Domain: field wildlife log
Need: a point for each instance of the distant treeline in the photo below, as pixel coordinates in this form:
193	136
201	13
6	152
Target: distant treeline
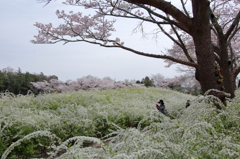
18	82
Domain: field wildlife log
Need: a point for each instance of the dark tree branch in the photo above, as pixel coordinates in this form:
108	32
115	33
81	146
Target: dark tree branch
117	45
168	8
184	8
234	24
215	23
182	45
151	12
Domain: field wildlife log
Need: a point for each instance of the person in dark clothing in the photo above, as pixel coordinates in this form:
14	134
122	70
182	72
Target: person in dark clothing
161	107
188	103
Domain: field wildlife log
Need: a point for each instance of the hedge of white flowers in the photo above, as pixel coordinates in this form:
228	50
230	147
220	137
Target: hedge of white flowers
121	123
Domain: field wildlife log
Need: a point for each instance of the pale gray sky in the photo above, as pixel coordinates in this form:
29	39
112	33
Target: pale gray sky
73	60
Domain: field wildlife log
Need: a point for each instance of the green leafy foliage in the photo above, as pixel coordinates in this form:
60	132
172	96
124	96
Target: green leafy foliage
147	82
19	83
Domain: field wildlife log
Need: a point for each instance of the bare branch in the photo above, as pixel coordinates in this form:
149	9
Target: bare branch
47	2
165	18
168	8
184	8
215	23
234	24
182	45
190	64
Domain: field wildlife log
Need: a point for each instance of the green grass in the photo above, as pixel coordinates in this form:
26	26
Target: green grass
124	122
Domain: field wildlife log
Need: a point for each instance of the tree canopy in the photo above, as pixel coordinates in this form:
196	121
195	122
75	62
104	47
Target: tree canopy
205	34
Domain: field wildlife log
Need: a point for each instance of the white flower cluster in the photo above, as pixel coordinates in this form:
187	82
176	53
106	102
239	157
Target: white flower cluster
199	131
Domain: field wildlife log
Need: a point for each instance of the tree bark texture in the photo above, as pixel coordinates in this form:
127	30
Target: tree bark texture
201	34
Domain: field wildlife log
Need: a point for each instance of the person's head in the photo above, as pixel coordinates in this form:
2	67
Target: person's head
188	101
161	101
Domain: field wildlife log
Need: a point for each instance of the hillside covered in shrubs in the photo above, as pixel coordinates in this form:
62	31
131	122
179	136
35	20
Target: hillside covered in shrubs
118	123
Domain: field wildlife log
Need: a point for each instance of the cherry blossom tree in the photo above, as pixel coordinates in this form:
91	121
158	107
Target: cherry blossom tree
185	83
205	34
84	83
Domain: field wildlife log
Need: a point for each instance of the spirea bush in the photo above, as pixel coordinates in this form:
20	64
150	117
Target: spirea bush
120	123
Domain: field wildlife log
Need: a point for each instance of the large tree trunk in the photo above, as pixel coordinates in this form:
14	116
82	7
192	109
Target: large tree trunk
201	33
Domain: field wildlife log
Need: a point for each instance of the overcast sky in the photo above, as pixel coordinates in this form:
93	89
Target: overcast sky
73	60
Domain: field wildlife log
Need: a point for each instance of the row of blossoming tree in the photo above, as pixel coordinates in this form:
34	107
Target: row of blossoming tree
84	83
20	83
91	82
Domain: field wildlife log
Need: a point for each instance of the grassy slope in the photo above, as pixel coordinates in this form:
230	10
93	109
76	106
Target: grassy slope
90	113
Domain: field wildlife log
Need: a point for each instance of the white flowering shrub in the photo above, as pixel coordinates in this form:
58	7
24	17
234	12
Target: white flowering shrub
119	123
